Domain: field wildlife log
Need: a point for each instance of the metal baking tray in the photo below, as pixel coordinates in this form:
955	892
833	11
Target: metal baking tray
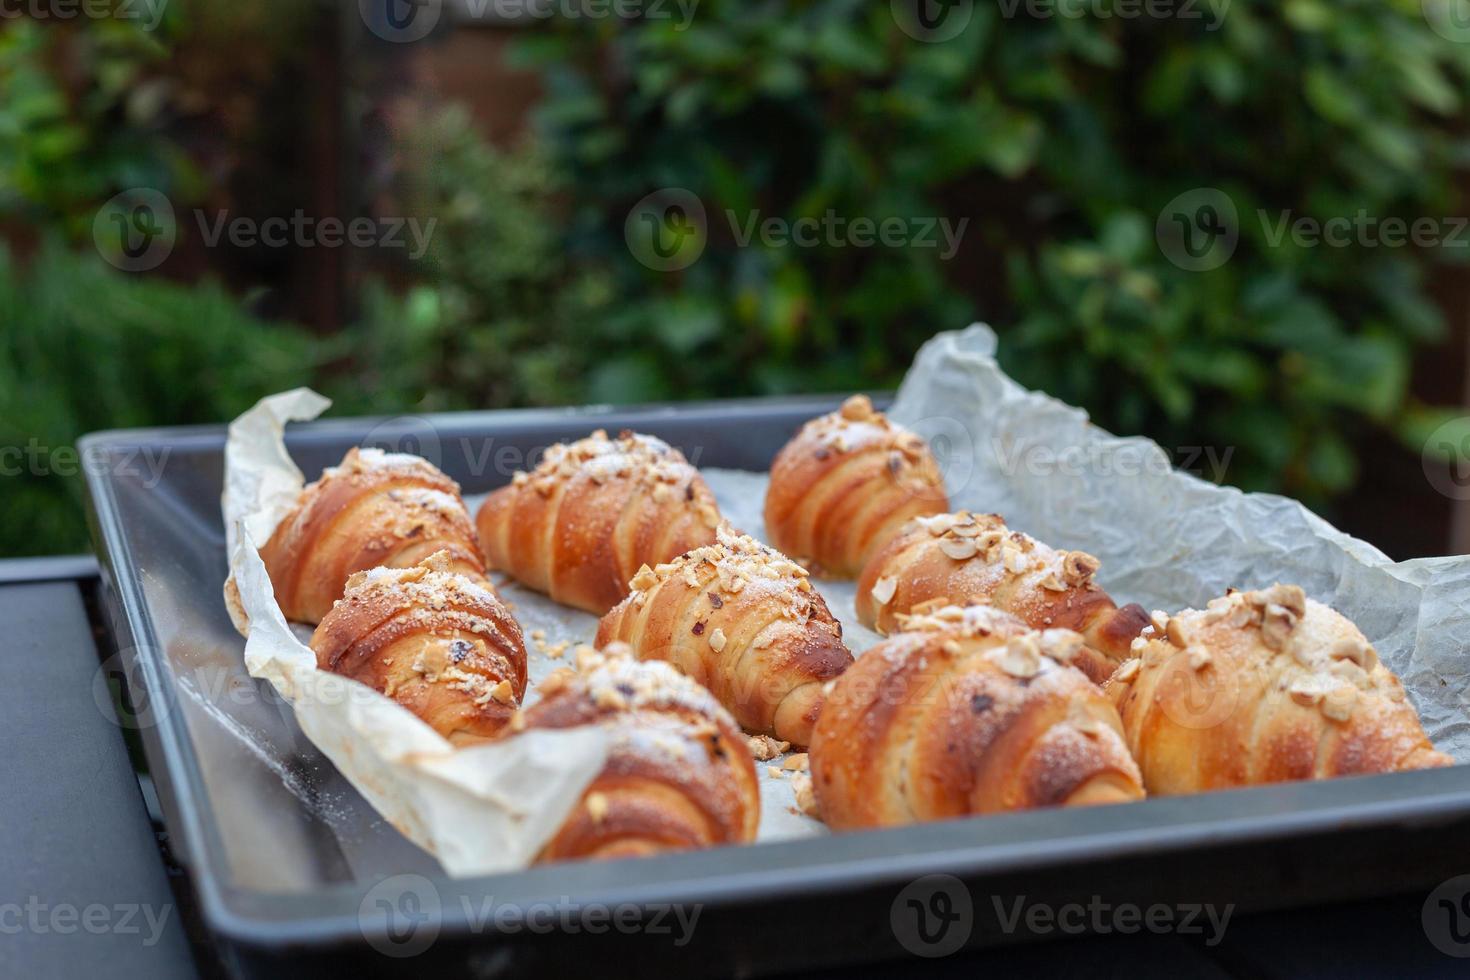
289	862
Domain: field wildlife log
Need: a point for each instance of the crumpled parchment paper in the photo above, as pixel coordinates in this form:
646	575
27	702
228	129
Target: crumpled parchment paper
1169	540
479	810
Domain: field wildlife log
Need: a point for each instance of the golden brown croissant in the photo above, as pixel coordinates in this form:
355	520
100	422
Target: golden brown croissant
374	509
745	622
579	527
966	711
844	484
679	774
965	558
436	641
1262	687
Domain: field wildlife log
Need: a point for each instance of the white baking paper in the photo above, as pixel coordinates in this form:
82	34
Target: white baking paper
1169	540
1166	539
479	810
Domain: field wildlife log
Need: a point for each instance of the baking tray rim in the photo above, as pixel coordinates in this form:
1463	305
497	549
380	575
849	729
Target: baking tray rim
792	868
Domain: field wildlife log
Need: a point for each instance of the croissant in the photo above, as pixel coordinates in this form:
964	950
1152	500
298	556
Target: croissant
745	622
679	775
966	711
844	484
1262	687
436	641
965	558
580	525
374	509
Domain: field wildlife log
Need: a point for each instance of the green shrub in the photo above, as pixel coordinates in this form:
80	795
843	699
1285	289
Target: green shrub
84	347
1062	139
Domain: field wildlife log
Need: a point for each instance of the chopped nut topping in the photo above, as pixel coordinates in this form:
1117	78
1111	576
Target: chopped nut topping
884	589
1356	651
717	640
806	799
858	408
1199	659
1339	702
959	549
1080	717
1128	670
796	762
597	807
1174	630
1053	584
765	748
929	606
644	580
1020	658
1078	568
503	693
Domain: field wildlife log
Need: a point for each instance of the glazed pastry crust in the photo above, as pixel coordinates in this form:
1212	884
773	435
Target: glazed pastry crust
679	775
966	711
374	509
846	483
745	622
1263	687
965	558
582	523
438	642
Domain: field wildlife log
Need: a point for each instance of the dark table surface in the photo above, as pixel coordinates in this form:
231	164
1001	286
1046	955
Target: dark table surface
87	887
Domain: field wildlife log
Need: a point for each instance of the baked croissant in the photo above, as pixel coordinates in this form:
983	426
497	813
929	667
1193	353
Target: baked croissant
580	525
745	622
436	641
1262	687
679	774
965	558
374	509
846	483
966	711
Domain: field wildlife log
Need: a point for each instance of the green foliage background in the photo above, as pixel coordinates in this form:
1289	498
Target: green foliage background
1060	138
